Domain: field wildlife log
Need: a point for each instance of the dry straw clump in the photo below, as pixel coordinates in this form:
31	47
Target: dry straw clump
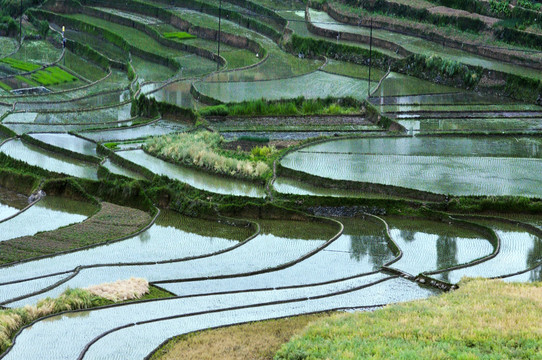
120	290
200	149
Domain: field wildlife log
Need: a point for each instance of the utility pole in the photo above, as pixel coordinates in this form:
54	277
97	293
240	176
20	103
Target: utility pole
21	24
219	21
370	59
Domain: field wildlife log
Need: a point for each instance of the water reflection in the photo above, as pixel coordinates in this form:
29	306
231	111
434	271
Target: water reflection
534	257
371	246
446	253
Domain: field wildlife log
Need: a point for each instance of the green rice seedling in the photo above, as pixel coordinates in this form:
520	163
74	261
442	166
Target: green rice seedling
180	35
53	76
19	64
27	80
4	86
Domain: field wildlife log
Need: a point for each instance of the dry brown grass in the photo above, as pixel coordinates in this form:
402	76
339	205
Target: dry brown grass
121	290
252	341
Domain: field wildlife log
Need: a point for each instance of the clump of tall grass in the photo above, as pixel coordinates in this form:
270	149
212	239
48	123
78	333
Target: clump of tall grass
120	290
298	106
201	149
12	320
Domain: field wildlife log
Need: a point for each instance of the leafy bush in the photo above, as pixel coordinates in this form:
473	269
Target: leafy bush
9	25
261	152
500	6
41	25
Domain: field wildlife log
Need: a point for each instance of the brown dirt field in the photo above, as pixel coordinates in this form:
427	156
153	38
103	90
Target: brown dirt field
252	341
293	121
110	223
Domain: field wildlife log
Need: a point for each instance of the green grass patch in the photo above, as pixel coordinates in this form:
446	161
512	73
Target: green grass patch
253	139
298	106
179	35
5	87
19	64
484	319
83	67
53	76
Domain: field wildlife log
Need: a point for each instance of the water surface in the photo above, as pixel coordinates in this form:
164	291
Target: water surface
196	178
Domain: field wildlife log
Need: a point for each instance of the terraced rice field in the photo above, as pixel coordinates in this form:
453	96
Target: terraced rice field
368	200
311	86
192	177
48	160
413	163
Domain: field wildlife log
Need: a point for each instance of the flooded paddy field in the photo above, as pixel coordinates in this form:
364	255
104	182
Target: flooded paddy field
520	250
48	160
311	86
196	178
154	128
47	214
429	245
68	142
279	243
425	167
11	203
172	237
177	93
91	324
422	46
97	117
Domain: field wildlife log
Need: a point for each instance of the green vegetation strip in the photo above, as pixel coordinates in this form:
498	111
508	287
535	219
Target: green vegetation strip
4	86
482	320
20	65
178	35
297	106
110	223
53	76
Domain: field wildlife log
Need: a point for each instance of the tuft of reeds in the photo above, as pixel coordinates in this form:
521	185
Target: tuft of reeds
201	149
121	290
